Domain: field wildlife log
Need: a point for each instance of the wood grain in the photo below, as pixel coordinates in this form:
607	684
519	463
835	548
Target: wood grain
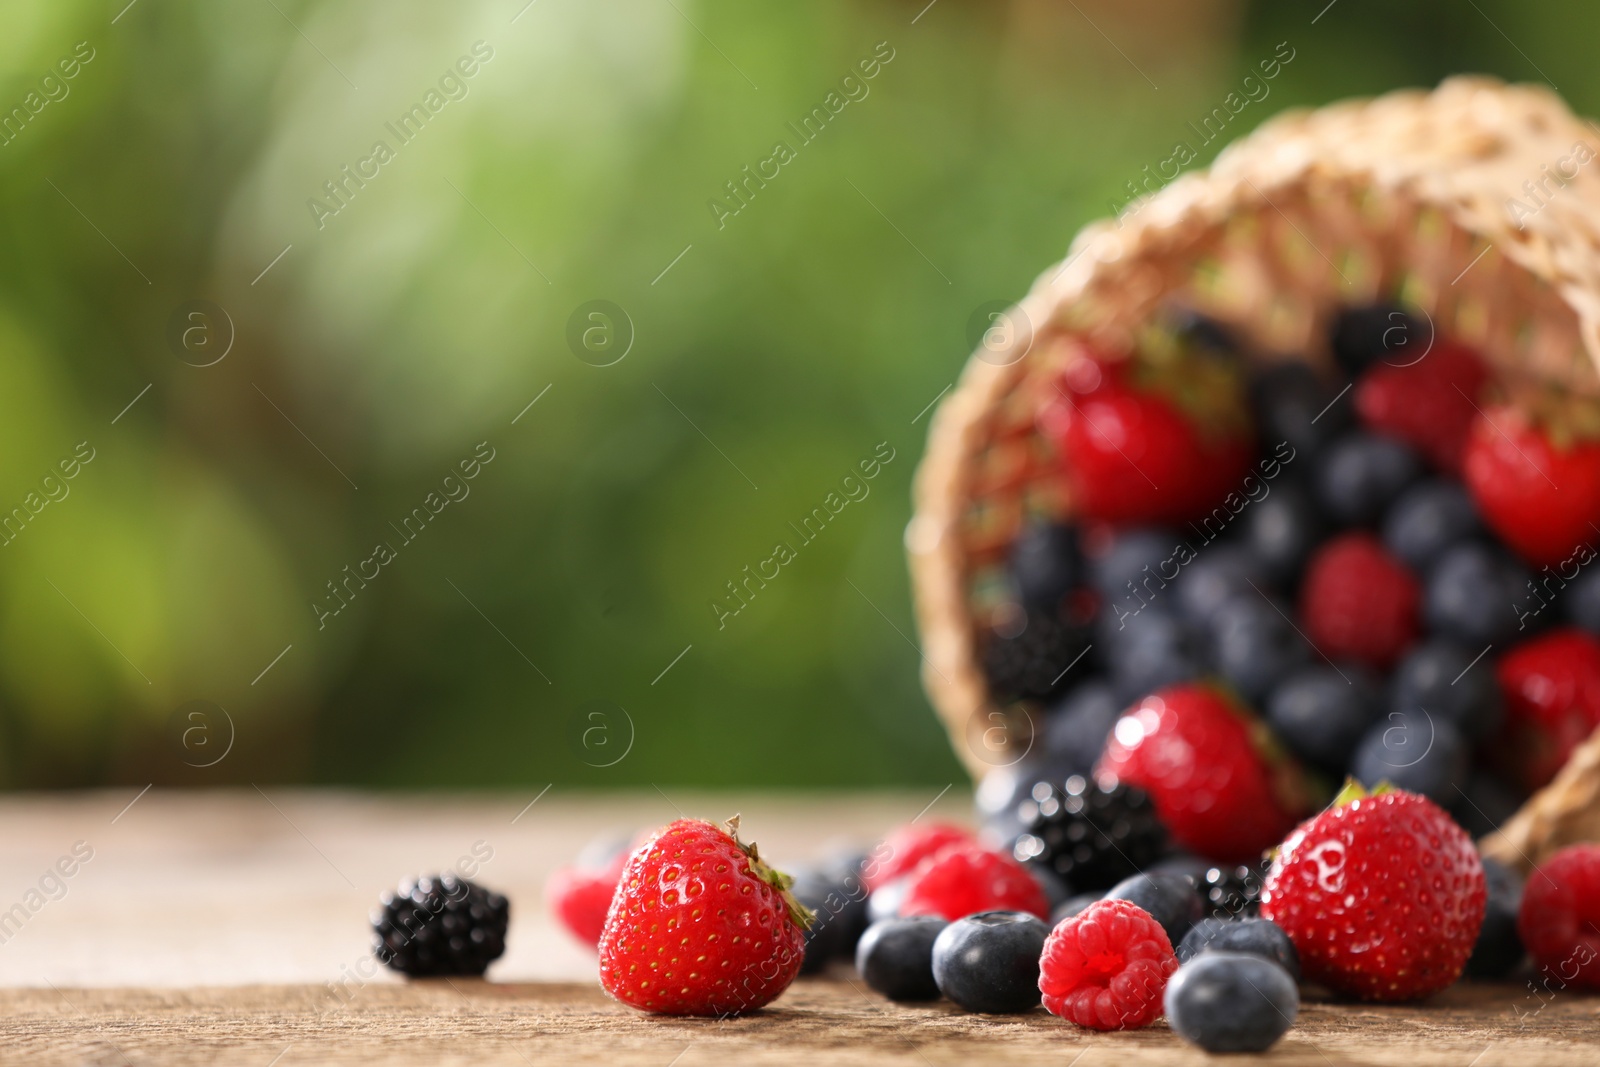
829	1021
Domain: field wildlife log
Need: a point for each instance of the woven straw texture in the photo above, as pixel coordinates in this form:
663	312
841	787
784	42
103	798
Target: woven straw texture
1477	203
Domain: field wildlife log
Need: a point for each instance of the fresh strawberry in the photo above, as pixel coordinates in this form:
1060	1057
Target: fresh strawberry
966	878
1218	779
1560	917
1536	480
1551	687
1382	895
1359	602
906	847
1145	440
1429	404
700	925
581	896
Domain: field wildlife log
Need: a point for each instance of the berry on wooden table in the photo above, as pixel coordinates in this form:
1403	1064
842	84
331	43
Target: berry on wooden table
989	962
580	897
907	846
1382	895
1560	916
1166	896
441	926
967	878
1091	835
1106	968
895	957
700	925
1231	1002
1259	937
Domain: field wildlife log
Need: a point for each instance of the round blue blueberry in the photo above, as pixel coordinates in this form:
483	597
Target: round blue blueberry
1581	599
1322	712
1255	646
1294	403
1473	594
1046	564
1170	899
1231	1002
1429	518
989	962
1071	906
895	957
1259	937
1075	730
1414	751
1362	474
1136	557
1219	574
1369	333
1442	677
1282	530
1498	950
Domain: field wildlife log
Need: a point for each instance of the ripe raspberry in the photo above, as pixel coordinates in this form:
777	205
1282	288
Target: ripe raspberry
1428	404
967	878
1106	968
700	925
1560	916
580	897
1551	686
1359	602
900	853
1218	781
1381	894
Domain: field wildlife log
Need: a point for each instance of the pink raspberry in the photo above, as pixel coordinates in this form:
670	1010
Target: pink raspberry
1560	917
965	879
1106	968
905	848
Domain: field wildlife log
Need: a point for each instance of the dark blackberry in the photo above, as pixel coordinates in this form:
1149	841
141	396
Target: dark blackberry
1092	837
1031	664
1231	892
441	925
1361	336
1046	564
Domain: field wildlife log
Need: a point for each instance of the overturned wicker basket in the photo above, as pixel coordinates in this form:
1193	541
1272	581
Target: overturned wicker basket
1415	194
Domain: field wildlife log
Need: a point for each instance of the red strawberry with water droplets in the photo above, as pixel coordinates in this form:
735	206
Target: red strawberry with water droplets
1536	479
1382	895
1551	687
1219	782
1430	404
1149	440
700	925
1359	602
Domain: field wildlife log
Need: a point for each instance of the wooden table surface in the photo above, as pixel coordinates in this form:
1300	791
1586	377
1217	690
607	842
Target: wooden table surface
231	928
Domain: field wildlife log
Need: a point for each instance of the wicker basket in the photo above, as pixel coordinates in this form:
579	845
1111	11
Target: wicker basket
1416	194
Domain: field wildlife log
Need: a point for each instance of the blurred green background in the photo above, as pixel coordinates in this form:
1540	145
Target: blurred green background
529	632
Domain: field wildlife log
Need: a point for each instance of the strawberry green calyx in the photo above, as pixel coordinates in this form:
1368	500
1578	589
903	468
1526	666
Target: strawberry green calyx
1354	791
799	914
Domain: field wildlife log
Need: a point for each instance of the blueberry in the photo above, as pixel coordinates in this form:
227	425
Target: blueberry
1361	336
1413	751
895	957
1219	574
989	962
1582	599
1046	564
1294	403
1259	937
1484	804
1442	677
1185	863
1071	906
1231	1002
1281	530
1136	556
841	912
1472	595
1075	730
1498	949
1428	518
1322	712
1255	646
1147	651
1169	898
1362	474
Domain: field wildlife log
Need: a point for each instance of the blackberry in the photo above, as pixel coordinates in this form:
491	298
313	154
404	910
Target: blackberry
1031	664
1361	336
1046	564
441	925
1231	892
1091	836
